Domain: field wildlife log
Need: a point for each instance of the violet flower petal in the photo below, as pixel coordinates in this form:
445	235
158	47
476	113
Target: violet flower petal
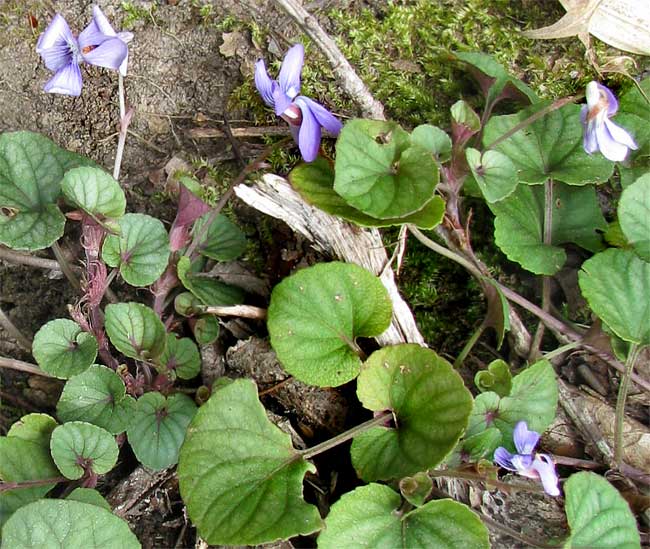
503	458
98	31
290	70
264	84
57	46
92	36
110	54
66	80
309	134
608	146
620	135
612	102
545	468
525	440
281	100
522	464
102	22
325	118
589	142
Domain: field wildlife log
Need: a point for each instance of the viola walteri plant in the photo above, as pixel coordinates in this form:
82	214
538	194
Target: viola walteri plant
129	364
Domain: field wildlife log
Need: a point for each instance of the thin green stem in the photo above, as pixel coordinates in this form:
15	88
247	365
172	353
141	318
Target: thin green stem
120	94
5	486
66	268
468	475
532	118
632	356
551	322
446	252
562	349
470	344
125	120
252	166
546	282
347	435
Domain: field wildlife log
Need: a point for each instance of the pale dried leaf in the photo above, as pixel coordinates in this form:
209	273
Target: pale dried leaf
234	44
624	24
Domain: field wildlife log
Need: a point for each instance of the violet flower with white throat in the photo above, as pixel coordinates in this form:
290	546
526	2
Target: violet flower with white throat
527	464
62	52
100	34
304	116
600	133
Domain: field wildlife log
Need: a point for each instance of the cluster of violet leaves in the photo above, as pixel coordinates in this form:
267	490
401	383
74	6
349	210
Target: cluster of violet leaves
305	118
98	44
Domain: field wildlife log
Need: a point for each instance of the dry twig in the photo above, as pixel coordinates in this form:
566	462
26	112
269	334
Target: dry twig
350	82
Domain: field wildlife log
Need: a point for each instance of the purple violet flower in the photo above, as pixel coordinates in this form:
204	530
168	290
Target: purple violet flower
600	133
304	116
63	53
100	33
539	467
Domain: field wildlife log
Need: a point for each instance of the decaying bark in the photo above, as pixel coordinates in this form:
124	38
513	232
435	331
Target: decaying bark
274	196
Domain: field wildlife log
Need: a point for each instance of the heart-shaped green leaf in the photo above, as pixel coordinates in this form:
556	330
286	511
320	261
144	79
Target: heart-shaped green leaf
239	475
94	191
22	460
495	82
31	169
182	356
63	349
88	495
431	407
208	290
186	304
77	444
434	140
141	251
465	117
35	428
369	516
97	396
222	241
69	524
616	284
550	147
205	329
494	173
519	225
496	378
474	448
634	216
598	515
416	489
158	428
533	398
380	173
315	316
314	181
135	330
31	230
